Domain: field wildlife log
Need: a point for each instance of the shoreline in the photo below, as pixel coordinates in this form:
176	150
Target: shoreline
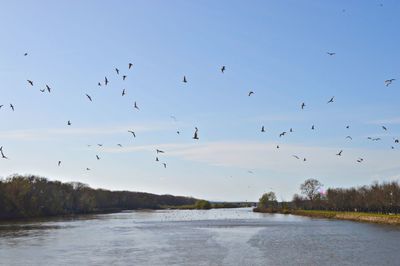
338	215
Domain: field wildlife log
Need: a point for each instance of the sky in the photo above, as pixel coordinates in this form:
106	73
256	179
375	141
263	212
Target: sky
277	49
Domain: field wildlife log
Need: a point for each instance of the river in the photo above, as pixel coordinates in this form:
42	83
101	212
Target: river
196	237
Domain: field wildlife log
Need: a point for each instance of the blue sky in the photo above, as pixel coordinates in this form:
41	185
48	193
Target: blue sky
275	48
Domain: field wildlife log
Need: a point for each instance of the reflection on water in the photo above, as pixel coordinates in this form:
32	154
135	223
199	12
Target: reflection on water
195	237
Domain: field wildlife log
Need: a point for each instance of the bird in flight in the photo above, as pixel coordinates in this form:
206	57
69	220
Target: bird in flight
97	157
349	137
133	133
105	81
330	53
159	151
339	153
30	82
195	136
388	82
100	145
12	107
157	159
119	145
165	165
396	141
88	96
2	154
130	65
43	90
123	92
250	93
124	77
331	100
59	163
282	134
184	79
223	69
360	160
87	169
135	106
262	129
1	106
277	146
178	132
117	70
69	123
347	127
291	130
25	54
384	128
313	127
303	105
297	157
99	84
48	88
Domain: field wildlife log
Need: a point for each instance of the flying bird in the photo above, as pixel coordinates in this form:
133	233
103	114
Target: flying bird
99	84
376	139
360	160
250	93
12	107
124	77
100	145
43	90
97	157
396	141
30	82
48	88
313	127
388	82
105	81
157	159
69	123
117	70
349	137
277	146
133	133
119	145
331	100
303	105
347	127
130	65
262	129
282	134
184	79
2	154
195	136
297	157
159	151
59	163
223	69
165	165
90	98
87	169
25	54
135	106
339	153
330	53
1	106
291	130
384	128
123	92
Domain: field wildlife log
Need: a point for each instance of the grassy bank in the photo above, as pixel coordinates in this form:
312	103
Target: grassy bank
351	216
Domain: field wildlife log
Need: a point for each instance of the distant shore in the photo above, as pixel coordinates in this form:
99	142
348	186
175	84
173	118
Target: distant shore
392	219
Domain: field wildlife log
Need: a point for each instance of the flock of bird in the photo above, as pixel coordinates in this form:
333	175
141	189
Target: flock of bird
303	105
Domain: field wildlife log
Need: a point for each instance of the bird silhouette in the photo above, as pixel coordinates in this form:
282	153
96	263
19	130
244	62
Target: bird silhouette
43	90
297	157
124	77
349	137
100	145
119	145
2	154
133	133
282	134
30	82
59	163
88	96
177	132
330	53
223	69
48	88
396	141
339	153
277	146
130	65
389	81
87	169
1	106
184	79
117	70
97	157
99	84
250	93
105	81
159	151
313	127
331	100
347	127
291	130
303	105
195	136
123	92
157	159
135	106
262	129
12	107
165	165
69	123
25	54
384	128
360	160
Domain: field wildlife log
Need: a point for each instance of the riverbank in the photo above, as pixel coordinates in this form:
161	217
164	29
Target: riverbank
350	216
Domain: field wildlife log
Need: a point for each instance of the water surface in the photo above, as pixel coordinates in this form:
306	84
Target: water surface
195	237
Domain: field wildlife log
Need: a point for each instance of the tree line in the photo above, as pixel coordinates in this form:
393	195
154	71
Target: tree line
32	196
375	198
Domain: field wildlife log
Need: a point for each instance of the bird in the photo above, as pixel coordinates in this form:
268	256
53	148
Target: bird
69	123
100	145
195	136
339	153
99	84
304	159
303	105
48	88
388	82
384	128
12	107
157	159
105	81
291	130
135	106
184	79
30	82
282	134
177	132
376	139
119	145
124	77
250	93
360	160
25	54
313	127
396	141
347	127
159	151
123	92
297	157
330	53
392	147
277	146
349	137
97	157
223	69
165	165
59	163
87	169
43	90
331	100
2	154
133	133
117	70
130	65
262	129
90	98
250	172
1	106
